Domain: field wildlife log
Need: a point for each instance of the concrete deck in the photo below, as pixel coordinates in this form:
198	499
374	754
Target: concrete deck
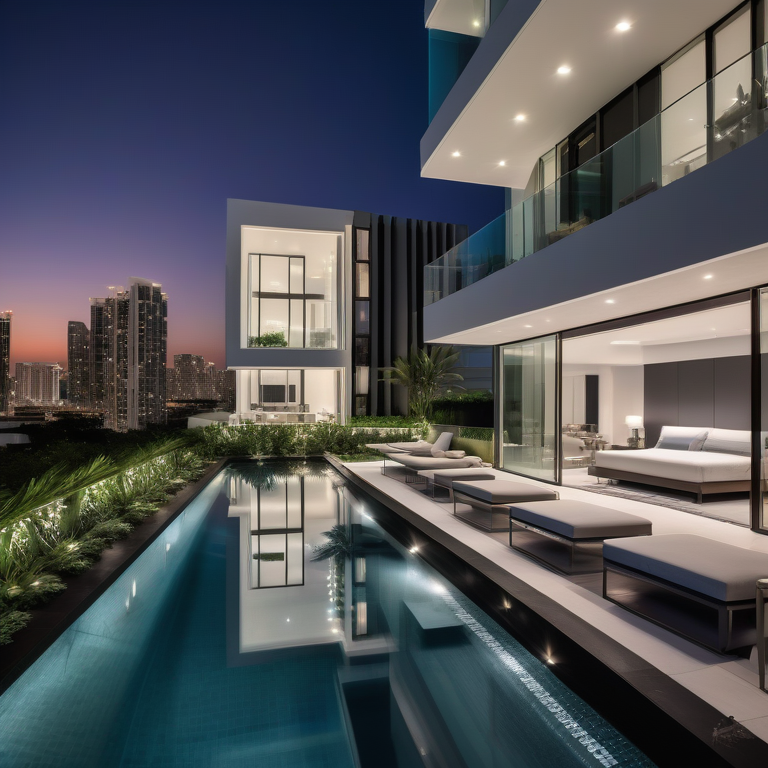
727	683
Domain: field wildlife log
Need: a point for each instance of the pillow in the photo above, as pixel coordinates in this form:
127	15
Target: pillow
733	441
454	454
682	442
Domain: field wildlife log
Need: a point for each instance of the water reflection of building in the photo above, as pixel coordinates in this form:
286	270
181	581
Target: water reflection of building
283	593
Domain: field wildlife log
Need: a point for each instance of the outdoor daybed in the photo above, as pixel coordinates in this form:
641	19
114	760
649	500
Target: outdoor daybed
699	460
698	587
568	535
483	502
415	447
410	465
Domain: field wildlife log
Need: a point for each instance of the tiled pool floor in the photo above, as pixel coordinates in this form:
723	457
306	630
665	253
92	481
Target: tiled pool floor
727	683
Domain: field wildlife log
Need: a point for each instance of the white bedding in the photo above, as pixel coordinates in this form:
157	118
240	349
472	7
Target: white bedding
690	466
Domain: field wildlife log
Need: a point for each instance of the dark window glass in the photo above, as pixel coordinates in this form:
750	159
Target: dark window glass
361	406
584	142
617	119
362	322
648	97
362	350
362	245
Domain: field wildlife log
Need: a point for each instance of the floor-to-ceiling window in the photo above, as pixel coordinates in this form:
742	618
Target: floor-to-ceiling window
529	408
762	518
291	288
659	410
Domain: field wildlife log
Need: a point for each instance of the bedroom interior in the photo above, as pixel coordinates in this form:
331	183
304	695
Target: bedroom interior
661	411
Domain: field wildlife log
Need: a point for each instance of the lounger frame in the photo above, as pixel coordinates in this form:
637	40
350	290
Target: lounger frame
720	626
566	555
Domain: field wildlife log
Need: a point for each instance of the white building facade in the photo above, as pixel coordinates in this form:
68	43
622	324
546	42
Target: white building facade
627	297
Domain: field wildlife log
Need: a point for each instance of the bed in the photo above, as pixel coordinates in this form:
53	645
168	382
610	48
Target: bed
698	460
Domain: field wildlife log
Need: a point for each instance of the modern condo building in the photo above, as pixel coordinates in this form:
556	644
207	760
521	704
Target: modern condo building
628	305
318	302
37	383
127	356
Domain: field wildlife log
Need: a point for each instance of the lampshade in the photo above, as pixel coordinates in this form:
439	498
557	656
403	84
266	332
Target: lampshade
634	422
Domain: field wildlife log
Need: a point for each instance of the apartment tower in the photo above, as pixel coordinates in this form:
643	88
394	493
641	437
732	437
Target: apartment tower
5	359
78	350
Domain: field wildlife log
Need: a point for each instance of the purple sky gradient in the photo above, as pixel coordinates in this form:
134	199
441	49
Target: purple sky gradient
127	125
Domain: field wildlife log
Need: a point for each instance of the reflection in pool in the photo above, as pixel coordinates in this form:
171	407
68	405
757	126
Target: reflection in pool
228	644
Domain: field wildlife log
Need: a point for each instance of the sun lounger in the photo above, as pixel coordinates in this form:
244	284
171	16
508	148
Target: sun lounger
484	502
443	479
568	535
697	587
415	447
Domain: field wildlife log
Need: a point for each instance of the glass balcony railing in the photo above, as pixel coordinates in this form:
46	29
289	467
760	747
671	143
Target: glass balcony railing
719	116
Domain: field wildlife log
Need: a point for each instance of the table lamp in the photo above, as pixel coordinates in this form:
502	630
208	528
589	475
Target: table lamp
635	423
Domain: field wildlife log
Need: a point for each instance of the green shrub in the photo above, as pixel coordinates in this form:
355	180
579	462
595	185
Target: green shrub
275	339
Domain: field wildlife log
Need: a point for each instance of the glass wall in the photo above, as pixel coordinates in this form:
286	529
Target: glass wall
291	396
762	518
362	325
529	408
291	288
294	297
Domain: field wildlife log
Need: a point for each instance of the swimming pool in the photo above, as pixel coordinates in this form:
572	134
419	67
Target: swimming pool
227	644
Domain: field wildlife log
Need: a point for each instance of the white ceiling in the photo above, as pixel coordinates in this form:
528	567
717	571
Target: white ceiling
524	81
639	344
729	273
466	17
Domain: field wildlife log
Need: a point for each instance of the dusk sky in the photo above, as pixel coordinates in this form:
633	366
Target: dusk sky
126	126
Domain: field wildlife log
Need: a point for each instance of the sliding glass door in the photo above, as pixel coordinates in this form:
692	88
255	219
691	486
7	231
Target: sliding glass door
529	408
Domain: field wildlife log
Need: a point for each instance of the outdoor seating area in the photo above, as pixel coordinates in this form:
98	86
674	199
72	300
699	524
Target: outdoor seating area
695	586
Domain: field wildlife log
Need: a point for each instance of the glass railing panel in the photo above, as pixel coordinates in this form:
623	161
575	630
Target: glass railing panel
737	101
666	148
684	136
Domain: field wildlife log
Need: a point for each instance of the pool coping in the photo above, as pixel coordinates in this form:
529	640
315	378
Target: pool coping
610	677
50	620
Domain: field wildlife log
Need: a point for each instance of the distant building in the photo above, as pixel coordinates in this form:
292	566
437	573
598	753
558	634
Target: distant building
192	379
5	360
78	350
37	383
127	355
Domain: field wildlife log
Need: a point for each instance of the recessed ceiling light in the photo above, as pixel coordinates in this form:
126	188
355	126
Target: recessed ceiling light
475	23
623	26
527	326
708	277
456	154
502	162
610	301
627	343
564	70
519	118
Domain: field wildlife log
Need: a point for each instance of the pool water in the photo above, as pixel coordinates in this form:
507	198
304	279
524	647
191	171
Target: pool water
226	644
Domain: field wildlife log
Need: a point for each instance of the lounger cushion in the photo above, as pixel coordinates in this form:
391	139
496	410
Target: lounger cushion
455	454
503	491
430	462
579	519
718	570
384	448
446	477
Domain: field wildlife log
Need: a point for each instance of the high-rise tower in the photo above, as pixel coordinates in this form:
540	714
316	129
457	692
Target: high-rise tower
128	353
78	345
5	359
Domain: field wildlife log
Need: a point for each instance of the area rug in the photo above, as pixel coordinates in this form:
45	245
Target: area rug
660	500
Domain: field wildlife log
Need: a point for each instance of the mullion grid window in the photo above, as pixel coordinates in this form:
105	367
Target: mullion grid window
292	296
361	330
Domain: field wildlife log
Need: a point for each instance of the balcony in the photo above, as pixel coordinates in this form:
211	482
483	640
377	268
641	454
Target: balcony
708	123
